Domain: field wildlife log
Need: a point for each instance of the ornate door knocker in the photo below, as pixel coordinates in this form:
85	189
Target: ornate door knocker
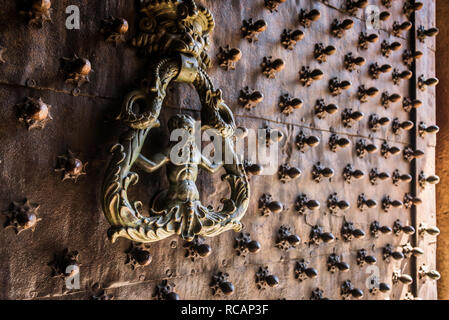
174	34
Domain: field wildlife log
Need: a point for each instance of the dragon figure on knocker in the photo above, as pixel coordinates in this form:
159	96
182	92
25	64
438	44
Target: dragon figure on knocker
174	35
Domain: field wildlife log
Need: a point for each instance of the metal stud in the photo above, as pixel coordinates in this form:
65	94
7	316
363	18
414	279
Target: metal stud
423	129
397	178
410	201
289	38
244	245
349	116
227	57
365	40
375	70
352	6
387	99
286	240
425	33
250	98
306	18
76	70
164	291
197	249
272	5
363	93
321	53
272	136
425	272
388	203
424	228
347	290
398	76
334	204
21	216
349	232
398	28
410	6
388	253
303	273
387	48
363	203
336	86
307	76
252	169
349	173
37	12
424	83
320	172
338	28
408	104
386	150
221	285
375	175
267	206
250	30
288	104
318	236
384	16
114	29
335	142
398	126
271	67
376	122
265	279
70	167
376	229
138	256
408	250
34	113
408	57
398	276
66	264
287	173
382	287
410	154
387	3
318	294
424	181
351	63
363	257
362	148
302	141
322	110
335	263
399	228
303	203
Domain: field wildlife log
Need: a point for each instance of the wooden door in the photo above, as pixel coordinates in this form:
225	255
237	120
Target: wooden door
83	121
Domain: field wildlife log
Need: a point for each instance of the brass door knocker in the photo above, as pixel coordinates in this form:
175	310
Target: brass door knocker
174	34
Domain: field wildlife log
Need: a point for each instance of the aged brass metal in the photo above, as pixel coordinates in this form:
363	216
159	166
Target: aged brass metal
307	17
321	53
175	35
376	229
349	117
386	150
287	173
388	253
424	129
336	87
334	204
249	98
322	110
398	76
335	142
423	33
363	203
399	228
362	148
228	57
349	174
351	63
302	141
76	70
272	5
335	263
363	257
303	203
288	104
307	76
338	28
320	172
267	206
375	70
375	176
221	285
425	272
387	99
347	290
318	236
398	28
352	6
387	48
388	203
409	104
349	232
424	83
271	67
365	40
363	93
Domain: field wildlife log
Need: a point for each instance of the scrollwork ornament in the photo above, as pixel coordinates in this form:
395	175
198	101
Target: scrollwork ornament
174	35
